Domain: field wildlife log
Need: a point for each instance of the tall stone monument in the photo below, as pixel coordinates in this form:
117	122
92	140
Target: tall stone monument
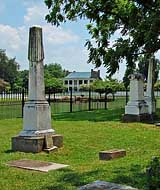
37	114
150	98
136	109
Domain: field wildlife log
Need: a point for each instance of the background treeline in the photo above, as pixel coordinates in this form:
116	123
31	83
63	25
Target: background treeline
11	77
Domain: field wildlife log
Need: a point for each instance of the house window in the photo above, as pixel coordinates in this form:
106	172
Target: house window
75	89
66	82
75	82
91	81
70	82
80	81
85	81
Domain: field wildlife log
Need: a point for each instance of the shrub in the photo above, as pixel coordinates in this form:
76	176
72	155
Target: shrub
153	174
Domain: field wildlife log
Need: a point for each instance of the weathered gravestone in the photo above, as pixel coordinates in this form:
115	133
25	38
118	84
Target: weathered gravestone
103	185
37	114
137	108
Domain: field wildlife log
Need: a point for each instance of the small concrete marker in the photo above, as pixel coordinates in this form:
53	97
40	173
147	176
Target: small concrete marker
53	149
111	154
48	141
36	165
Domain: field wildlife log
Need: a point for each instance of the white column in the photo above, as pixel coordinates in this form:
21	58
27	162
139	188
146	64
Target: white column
150	98
37	114
77	85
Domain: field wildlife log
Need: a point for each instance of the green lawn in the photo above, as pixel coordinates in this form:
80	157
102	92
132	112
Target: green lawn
85	134
13	109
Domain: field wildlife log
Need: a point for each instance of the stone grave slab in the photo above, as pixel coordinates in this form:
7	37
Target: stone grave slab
111	154
36	165
103	185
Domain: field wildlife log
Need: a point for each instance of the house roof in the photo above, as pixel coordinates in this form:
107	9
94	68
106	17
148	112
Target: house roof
75	75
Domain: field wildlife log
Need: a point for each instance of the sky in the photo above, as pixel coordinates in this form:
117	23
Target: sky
63	45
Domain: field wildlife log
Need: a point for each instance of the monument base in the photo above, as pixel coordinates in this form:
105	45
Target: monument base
34	144
148	118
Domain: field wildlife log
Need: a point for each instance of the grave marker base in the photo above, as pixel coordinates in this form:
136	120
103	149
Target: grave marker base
148	118
34	144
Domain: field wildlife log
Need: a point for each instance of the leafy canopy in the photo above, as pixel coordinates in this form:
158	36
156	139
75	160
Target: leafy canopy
55	70
107	86
53	74
8	68
137	22
143	66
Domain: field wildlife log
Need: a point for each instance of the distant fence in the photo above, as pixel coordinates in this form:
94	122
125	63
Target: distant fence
12	102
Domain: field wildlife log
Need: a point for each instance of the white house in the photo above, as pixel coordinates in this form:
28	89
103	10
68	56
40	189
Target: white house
75	79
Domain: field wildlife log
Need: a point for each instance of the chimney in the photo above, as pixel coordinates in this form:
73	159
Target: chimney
98	73
95	74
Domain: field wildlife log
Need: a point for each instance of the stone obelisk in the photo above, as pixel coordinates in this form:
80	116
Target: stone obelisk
37	114
150	98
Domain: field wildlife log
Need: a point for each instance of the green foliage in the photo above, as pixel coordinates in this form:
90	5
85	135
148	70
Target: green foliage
54	84
126	81
8	68
107	86
22	80
157	86
3	85
153	174
143	66
84	87
136	21
53	74
54	70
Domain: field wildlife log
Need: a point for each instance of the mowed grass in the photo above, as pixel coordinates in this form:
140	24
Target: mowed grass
85	134
13	109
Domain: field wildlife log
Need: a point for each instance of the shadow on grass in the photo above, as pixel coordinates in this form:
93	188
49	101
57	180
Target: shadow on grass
134	177
96	115
72	179
9	151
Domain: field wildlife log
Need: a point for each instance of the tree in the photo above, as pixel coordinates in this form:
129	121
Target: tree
136	21
54	84
143	66
3	85
55	70
22	80
143	63
53	74
8	68
107	86
126	81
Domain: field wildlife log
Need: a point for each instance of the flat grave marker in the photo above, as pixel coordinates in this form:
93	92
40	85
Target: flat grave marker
111	154
103	185
36	165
